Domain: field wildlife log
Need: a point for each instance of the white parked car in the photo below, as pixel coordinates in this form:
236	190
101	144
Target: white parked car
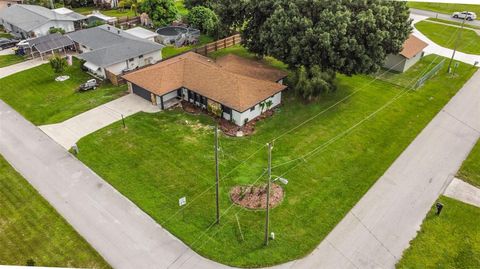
469	16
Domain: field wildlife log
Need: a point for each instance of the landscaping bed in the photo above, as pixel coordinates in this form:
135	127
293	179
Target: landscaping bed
32	232
159	158
255	197
36	95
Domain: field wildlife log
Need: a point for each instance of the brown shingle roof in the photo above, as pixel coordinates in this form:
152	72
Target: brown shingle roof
412	46
202	75
250	68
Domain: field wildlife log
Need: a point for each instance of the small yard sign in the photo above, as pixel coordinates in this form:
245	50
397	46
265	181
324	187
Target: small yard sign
182	201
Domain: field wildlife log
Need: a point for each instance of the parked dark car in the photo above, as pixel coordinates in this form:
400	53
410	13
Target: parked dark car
6	43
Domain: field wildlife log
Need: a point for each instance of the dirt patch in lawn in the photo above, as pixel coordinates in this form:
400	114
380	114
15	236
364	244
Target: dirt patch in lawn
255	197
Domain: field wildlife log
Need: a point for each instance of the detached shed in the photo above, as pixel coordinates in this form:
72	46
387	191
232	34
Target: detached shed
412	52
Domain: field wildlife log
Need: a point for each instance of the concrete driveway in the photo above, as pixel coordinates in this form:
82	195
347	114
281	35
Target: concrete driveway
70	131
15	68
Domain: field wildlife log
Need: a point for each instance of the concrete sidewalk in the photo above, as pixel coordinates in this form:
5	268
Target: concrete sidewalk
15	68
378	229
70	131
122	233
434	48
464	192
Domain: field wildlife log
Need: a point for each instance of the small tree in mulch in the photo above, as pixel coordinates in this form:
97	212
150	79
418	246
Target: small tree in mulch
58	64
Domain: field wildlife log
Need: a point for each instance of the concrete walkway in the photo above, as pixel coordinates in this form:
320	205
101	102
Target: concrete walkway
15	68
70	131
122	233
378	229
434	48
477	31
462	191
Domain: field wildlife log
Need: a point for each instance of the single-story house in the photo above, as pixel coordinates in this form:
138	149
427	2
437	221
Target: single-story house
26	21
143	33
96	16
234	88
109	52
412	52
48	45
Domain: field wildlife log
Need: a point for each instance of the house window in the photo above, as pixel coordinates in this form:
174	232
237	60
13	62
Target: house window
252	108
226	109
130	60
140	57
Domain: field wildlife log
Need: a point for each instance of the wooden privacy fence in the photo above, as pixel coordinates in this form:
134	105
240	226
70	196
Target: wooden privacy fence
219	44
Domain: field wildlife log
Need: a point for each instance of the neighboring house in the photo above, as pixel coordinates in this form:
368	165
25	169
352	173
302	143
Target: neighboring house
143	33
7	3
109	52
233	88
26	21
47	45
96	16
412	52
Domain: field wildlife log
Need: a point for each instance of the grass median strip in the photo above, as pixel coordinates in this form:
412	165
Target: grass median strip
6	60
470	170
33	232
161	157
469	41
450	240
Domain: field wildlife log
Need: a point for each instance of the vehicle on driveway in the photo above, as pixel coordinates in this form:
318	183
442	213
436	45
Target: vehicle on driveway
469	16
89	85
6	43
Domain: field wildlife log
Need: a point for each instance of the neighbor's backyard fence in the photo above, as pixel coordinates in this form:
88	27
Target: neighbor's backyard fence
219	44
428	75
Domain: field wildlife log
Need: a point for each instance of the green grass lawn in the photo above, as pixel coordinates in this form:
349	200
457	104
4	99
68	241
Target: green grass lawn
36	95
170	51
466	25
5	35
161	157
470	171
32	229
240	51
111	12
451	240
408	78
447	8
470	41
6	60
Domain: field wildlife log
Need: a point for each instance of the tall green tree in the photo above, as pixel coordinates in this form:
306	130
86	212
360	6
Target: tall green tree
161	12
345	36
58	64
195	3
204	19
232	15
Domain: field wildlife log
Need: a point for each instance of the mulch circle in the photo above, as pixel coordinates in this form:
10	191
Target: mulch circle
255	197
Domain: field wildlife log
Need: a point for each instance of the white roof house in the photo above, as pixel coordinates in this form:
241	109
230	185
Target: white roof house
109	51
143	33
32	21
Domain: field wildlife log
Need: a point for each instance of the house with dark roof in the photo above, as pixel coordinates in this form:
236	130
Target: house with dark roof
411	53
109	52
234	88
25	21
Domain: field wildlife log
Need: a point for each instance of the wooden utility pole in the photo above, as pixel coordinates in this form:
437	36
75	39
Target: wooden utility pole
217	174
268	193
456	44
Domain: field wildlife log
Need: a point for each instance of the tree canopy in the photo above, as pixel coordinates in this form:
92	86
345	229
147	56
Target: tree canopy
204	19
161	12
346	36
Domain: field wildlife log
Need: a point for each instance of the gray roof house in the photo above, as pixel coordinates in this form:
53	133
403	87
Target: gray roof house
26	21
109	52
